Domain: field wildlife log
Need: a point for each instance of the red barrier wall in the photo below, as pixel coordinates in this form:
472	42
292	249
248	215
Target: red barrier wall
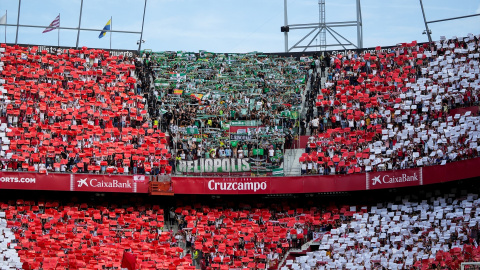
34	181
451	171
331	183
246	185
72	182
106	183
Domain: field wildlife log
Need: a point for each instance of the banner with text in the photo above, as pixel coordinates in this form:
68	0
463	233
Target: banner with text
34	181
394	179
240	137
244	123
108	183
244	185
267	185
328	183
63	49
74	182
214	165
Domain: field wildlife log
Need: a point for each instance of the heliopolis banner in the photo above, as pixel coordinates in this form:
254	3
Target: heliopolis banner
206	165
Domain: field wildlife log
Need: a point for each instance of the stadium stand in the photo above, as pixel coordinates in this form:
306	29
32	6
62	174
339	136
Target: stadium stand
76	112
84	235
390	110
416	228
438	233
77	236
85	111
201	97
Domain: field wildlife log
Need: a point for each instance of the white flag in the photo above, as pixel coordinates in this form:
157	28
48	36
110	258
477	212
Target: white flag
3	19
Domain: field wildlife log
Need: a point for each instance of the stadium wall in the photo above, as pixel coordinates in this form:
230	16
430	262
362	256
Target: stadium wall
245	185
134	53
54	49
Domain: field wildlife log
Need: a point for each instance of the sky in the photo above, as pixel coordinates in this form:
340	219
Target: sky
231	26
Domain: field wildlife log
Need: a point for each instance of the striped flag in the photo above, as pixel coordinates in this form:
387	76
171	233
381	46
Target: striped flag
177	91
54	25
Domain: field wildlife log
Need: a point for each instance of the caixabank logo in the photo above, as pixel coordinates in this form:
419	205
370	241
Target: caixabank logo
392	179
98	183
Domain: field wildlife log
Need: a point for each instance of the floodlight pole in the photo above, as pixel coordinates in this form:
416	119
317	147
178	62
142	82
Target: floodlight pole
359	26
322	31
79	23
141	33
322	27
426	24
18	20
111	27
58	31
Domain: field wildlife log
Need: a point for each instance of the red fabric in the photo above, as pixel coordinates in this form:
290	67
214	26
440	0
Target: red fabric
129	261
25	266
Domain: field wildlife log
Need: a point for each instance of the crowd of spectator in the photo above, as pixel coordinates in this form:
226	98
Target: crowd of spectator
88	111
76	111
53	235
438	233
79	235
392	109
414	230
200	97
253	238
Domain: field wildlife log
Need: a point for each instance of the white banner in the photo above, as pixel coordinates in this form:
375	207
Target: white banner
214	165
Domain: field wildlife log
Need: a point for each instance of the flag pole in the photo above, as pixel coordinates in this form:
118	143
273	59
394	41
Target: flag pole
6	20
111	28
58	28
79	23
18	20
141	33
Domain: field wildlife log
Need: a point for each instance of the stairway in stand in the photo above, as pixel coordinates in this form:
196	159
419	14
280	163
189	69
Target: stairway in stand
291	165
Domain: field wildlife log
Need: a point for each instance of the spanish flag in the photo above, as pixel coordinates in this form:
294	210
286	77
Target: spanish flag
177	91
105	29
197	96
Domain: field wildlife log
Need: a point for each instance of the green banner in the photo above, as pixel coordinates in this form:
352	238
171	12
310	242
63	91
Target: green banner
278	172
192	131
243	123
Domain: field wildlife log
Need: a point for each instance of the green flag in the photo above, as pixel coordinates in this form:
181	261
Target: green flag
258	152
192	131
